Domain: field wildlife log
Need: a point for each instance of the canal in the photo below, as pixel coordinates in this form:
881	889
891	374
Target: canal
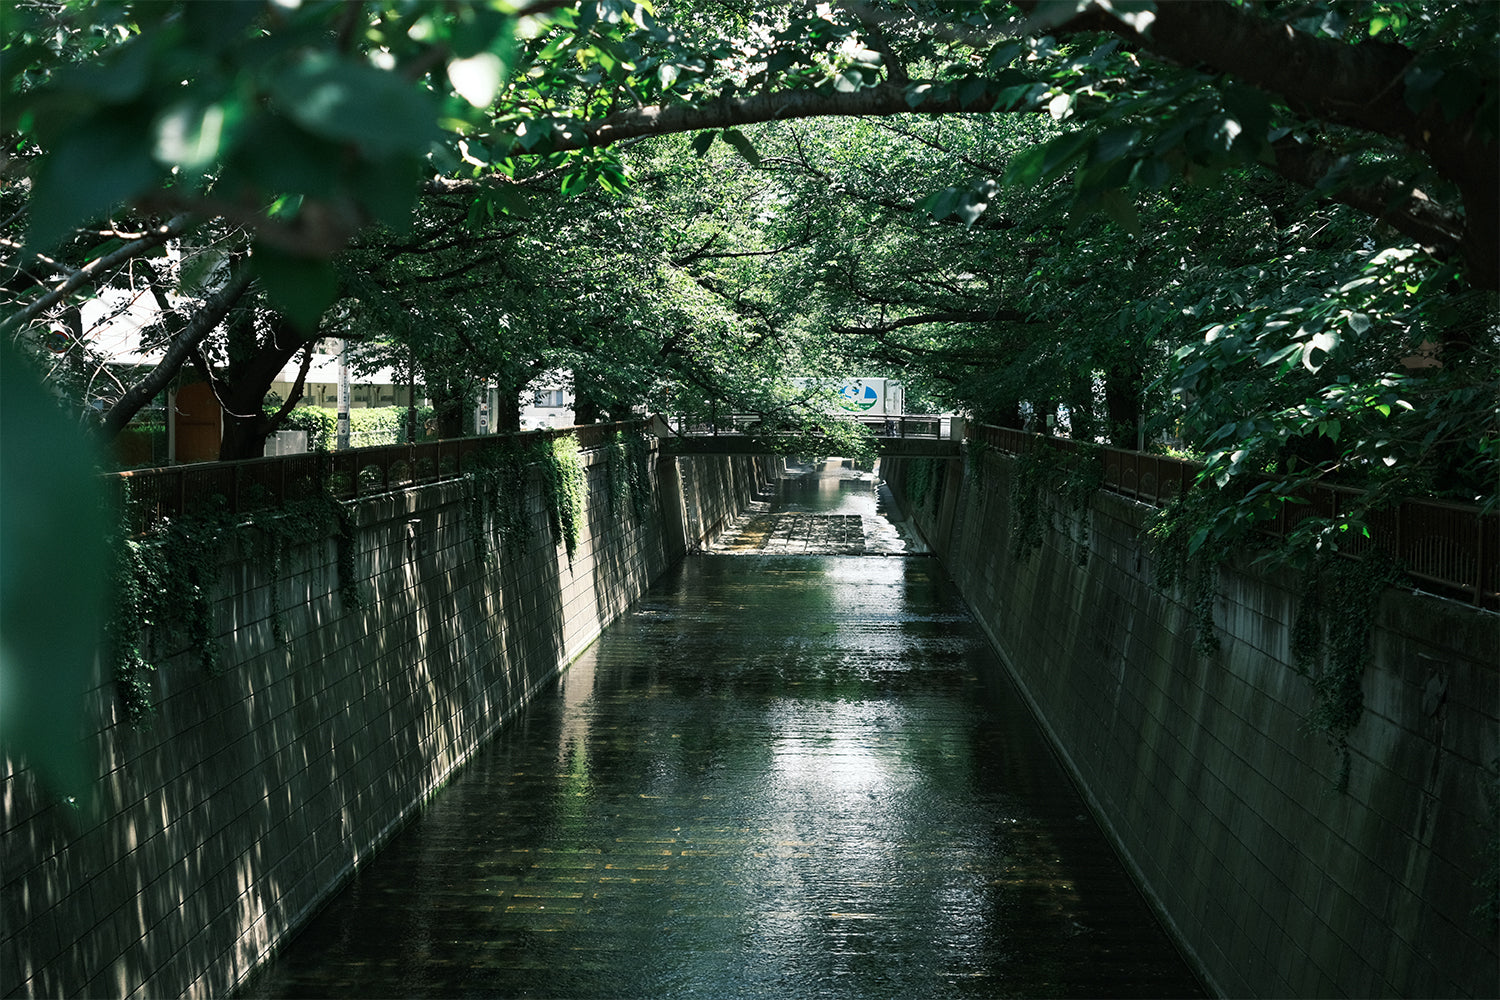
783	774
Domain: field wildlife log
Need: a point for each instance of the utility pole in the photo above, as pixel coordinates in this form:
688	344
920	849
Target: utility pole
343	431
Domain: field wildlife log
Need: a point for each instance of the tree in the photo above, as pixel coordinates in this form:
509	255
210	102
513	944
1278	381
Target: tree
1385	108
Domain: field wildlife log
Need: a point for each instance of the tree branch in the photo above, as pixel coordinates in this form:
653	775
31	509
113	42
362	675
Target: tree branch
178	351
94	271
1401	206
1363	86
974	316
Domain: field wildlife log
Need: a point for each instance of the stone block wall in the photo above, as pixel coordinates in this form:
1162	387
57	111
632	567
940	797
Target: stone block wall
217	830
1206	774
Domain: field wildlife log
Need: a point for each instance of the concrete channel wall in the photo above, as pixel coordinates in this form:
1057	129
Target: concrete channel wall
1203	768
255	793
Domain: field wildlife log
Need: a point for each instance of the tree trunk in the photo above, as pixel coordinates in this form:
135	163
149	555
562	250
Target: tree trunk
448	404
586	404
243	394
1122	401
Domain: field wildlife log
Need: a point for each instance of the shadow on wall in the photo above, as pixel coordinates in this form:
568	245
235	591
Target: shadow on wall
255	792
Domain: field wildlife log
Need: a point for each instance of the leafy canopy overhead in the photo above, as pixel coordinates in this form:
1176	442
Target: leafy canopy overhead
925	184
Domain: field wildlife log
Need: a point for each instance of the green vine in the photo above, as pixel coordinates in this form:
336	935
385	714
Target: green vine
918	482
1187	554
165	584
497	487
567	487
975	451
1072	477
1029	515
1330	642
627	474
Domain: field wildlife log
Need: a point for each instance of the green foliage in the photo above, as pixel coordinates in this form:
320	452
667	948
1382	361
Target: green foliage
1331	642
1030	515
921	477
53	562
1331	384
304	522
975	452
165	587
628	474
566	489
368	425
320	423
1188	545
165	584
1040	477
1100	205
498	489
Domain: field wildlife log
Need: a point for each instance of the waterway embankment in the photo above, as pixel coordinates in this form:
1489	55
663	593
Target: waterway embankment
214	831
1205	771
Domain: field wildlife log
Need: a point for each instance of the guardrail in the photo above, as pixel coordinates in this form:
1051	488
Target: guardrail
157	495
1449	547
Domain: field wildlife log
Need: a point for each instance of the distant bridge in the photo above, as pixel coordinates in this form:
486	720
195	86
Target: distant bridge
749	444
909	436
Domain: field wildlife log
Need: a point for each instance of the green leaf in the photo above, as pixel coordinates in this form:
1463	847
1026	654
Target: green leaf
1048	14
1120	207
356	102
1025	167
300	288
703	140
742	145
1113	143
100	163
53	580
388	189
940	204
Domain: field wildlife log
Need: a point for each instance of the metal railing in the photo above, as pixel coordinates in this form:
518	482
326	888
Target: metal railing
924	425
1447	546
157	495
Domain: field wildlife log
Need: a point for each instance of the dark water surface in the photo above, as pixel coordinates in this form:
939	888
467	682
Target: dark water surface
778	776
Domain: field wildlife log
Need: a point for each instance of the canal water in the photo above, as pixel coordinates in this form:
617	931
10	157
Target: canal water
780	775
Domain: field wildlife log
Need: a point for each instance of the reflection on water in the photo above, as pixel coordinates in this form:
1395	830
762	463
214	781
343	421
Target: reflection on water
777	777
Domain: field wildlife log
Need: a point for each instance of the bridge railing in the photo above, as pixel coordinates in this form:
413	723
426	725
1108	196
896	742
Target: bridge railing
920	425
1449	547
157	495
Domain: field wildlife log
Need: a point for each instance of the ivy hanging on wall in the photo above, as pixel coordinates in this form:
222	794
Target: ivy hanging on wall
627	472
921	475
165	584
164	588
975	451
1039	477
1187	553
1331	642
567	488
498	490
304	522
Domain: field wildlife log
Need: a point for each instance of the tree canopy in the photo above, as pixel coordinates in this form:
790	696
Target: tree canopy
1266	232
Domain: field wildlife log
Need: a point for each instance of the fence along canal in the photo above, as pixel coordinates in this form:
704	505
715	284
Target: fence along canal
779	775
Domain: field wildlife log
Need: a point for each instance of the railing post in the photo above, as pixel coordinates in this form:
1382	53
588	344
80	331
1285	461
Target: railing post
1481	570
